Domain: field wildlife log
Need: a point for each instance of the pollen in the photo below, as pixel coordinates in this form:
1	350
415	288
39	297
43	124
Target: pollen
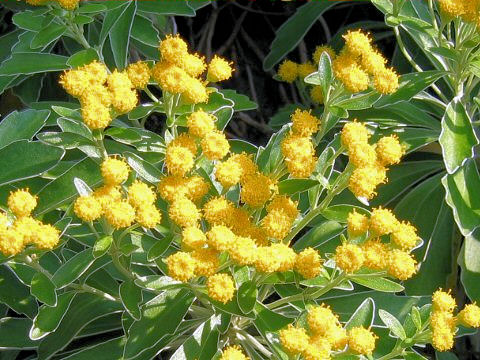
383	222
193	238
443	301
179	160
470	316
243	251
220	238
386	81
173	49
256	190
228	173
321	320
405	236
206	261
139	74
401	265
140	194
294	339
193	64
148	216
233	353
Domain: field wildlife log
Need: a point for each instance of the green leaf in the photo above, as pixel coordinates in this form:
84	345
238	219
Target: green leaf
472	248
378	283
457	138
363	316
89	8
82	57
112	348
470	280
123	135
145	31
62	190
64	140
416	318
325	72
101	246
247	296
15	294
120	35
445	356
48	318
84	309
143	168
242	102
293	186
14	334
76	127
43	289
21	125
320	237
73	268
159	248
393	324
24	159
410	85
26	63
463	197
29	20
293	30
160	316
142	111
132	297
360	101
238	146
166	8
47	35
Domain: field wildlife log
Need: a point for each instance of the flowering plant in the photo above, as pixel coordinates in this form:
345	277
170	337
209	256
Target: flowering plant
119	242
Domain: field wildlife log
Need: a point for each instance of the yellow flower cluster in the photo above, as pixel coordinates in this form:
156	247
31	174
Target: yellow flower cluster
233	353
468	10
324	335
179	72
370	161
24	230
66	4
443	322
297	147
394	257
290	71
359	60
102	94
120	208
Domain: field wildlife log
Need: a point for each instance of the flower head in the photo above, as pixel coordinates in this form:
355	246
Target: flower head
405	236
120	214
305	69
195	91
389	150
256	190
215	145
200	123
220	238
47	237
193	64
349	257
181	266
228	173
294	339
170	77
11	242
376	254
321	320
206	261
362	155
193	238
219	69
218	211
401	265
148	216
21	202
243	251
361	340
140	194
173	49
139	74
470	316
319	50
88	208
316	93
354	133
357	43
308	263
114	171
357	224
221	287
178	159
183	212
233	353
383	222
288	71
386	81
443	301
304	123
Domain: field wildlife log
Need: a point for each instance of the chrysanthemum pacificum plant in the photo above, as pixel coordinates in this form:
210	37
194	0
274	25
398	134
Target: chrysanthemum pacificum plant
223	225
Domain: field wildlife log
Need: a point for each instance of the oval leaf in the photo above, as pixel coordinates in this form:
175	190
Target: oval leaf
43	289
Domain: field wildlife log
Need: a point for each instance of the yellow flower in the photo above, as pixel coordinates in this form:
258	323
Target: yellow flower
288	71
98	72
304	123
306	69
139	74
181	266
88	208
178	159
47	237
386	81
193	238
215	145
405	236
383	222
173	49
120	214
318	349
196	187
233	353
171	187
124	97
443	301
361	340
96	94
220	238
316	94
442	320
219	69
373	62
21	202
193	64
75	82
267	261
443	339
277	224
376	254
4	222
401	265
349	257
148	216
11	242
140	194
246	163
68	4
319	50
107	194
170	77
308	263
218	211
183	212
285	256
284	203
221	287
389	150
354	133
243	251
228	173
114	171
354	78
186	141
200	123
357	224
470	316
195	91
357	43
256	190
95	114
294	339
452	8
362	155
28	227
206	261
301	168
321	320
337	337
363	182
297	148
